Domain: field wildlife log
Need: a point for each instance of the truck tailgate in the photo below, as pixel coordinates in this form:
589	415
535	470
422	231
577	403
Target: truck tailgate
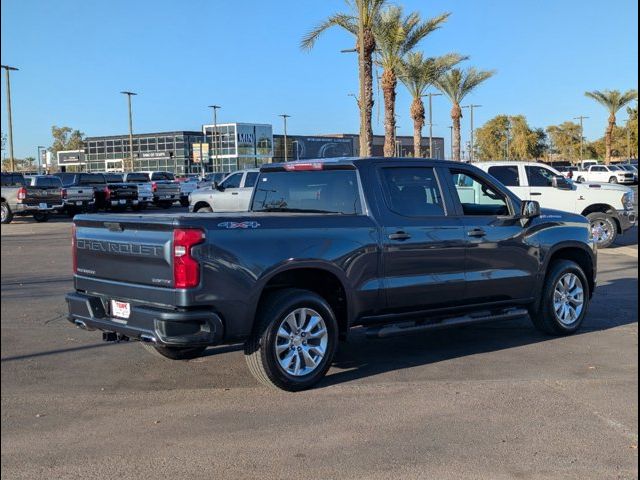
129	249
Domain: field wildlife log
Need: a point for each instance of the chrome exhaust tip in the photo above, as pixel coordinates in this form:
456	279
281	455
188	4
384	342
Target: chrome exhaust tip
148	339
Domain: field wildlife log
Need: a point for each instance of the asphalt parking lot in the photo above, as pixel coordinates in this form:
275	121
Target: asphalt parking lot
493	401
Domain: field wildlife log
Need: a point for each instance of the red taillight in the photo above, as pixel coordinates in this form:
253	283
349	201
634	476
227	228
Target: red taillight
298	167
22	193
63	193
186	269
74	250
154	187
107	193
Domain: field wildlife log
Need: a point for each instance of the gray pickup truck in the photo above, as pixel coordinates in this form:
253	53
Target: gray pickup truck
398	246
39	195
77	198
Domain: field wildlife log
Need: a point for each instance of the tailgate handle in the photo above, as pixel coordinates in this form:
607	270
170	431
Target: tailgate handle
399	236
476	232
536	193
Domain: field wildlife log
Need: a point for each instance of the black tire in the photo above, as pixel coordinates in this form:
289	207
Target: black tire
174	353
204	210
599	219
184	202
165	205
136	208
7	214
260	351
41	217
544	317
580	180
613	180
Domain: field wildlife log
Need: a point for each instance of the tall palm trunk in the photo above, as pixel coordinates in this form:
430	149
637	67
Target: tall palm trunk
417	114
456	115
608	137
389	83
366	50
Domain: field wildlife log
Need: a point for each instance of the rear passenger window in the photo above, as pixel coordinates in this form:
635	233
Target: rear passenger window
412	191
506	174
539	176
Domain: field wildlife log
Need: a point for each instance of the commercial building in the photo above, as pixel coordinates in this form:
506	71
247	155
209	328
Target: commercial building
235	146
404	145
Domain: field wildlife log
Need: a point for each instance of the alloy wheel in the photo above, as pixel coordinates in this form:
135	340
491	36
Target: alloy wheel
301	342
568	298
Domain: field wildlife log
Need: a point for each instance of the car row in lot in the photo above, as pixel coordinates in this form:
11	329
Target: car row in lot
75	192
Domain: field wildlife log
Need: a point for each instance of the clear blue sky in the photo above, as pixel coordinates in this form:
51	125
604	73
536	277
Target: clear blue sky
76	55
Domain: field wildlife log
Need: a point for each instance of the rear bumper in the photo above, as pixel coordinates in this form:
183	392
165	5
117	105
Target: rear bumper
21	208
626	219
160	326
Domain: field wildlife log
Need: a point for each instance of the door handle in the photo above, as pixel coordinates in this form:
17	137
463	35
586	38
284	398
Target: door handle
234	193
476	232
536	193
399	236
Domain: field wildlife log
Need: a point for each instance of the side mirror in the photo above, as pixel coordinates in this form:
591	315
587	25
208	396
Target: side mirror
530	209
218	186
560	183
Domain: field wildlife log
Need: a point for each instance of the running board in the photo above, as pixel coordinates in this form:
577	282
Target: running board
405	328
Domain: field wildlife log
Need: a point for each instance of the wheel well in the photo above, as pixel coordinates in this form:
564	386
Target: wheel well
2	199
578	256
321	282
602	208
200	204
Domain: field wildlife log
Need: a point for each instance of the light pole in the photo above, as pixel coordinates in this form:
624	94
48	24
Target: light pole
40	158
581	118
129	95
451	141
214	134
8	69
471	107
431	95
284	118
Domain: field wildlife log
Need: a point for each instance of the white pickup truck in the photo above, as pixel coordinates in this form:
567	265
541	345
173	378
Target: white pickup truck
609	208
605	174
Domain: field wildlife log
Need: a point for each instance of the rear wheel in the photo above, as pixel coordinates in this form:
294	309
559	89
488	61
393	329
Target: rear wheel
206	209
174	353
294	341
165	205
613	180
6	213
184	202
565	299
41	217
603	229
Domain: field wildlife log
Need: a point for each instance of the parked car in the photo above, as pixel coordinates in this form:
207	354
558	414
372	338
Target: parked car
604	174
233	194
187	185
398	246
609	208
211	179
627	167
39	196
145	192
165	188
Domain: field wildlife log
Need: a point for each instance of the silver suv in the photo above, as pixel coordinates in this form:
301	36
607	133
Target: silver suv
233	194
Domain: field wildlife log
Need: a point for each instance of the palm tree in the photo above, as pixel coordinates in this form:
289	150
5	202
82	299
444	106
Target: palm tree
360	21
457	84
397	35
417	73
612	100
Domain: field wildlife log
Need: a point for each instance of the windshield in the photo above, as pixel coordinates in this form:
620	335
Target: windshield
327	191
614	168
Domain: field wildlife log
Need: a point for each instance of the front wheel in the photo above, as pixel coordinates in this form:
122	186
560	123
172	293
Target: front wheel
174	353
204	210
41	217
580	180
184	202
613	180
564	301
294	340
603	229
7	214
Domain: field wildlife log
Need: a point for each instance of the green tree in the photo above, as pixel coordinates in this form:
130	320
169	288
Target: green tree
360	21
632	127
617	145
20	164
512	132
457	84
417	73
612	100
565	140
396	35
66	138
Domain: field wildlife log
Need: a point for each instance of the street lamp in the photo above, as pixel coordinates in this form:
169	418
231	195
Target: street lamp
431	95
129	95
40	158
284	118
581	118
214	142
8	69
471	107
